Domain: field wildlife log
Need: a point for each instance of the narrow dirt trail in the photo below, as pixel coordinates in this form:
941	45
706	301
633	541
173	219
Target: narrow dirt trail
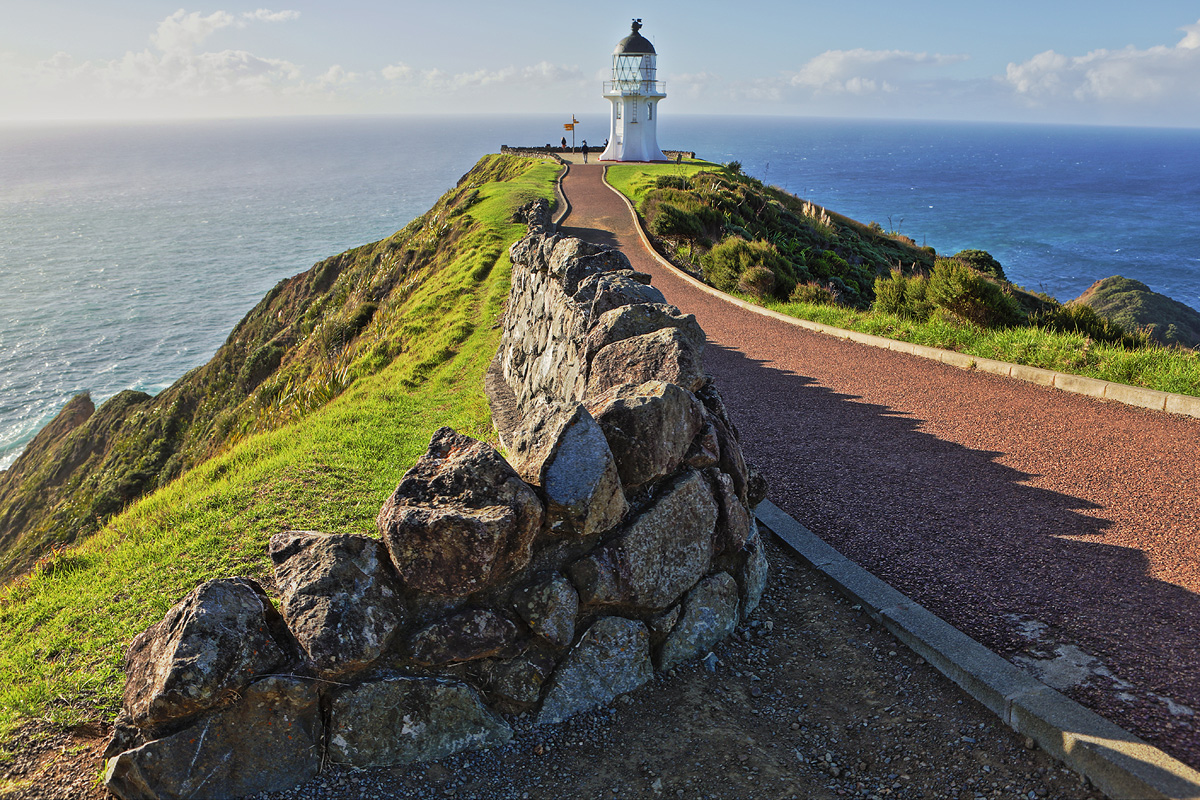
1039	522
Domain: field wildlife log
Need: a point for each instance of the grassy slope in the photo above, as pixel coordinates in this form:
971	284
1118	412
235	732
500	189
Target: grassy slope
1164	369
1132	304
64	629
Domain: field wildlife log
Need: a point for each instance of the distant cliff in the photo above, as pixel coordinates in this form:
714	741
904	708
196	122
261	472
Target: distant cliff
1132	305
292	353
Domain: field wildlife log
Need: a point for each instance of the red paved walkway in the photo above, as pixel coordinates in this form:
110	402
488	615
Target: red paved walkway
997	504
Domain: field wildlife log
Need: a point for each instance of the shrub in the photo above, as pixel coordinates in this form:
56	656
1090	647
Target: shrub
734	167
981	261
1084	319
757	281
672	182
724	264
968	295
903	295
813	293
673	222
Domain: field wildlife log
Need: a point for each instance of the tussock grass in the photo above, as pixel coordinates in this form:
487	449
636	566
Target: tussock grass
64	628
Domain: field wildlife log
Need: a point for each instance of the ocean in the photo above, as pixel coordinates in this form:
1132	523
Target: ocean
128	252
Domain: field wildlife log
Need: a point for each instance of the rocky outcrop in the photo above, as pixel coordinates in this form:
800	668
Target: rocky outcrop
617	539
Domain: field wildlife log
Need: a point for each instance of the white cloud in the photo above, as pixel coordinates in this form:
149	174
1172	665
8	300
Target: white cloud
435	79
263	15
183	31
1153	76
863	72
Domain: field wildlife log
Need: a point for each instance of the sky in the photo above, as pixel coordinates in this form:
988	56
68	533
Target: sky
1050	61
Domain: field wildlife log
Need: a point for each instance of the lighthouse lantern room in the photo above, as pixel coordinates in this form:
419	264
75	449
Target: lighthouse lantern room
634	92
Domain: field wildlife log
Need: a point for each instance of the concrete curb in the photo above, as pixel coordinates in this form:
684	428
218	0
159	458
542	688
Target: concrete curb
1183	404
564	205
1118	763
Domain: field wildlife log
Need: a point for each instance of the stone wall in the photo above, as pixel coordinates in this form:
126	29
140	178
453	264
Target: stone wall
615	540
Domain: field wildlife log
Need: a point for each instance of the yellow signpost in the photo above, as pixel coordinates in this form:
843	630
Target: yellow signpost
570	126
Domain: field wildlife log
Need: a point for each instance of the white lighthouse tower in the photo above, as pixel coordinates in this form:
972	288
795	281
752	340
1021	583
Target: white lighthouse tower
634	92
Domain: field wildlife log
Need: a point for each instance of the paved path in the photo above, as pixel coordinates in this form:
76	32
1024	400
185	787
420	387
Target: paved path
1039	522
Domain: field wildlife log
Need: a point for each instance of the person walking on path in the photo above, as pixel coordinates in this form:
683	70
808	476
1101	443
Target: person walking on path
564	143
585	151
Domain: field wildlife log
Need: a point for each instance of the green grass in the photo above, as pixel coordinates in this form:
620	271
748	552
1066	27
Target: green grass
64	628
1153	367
1164	369
635	180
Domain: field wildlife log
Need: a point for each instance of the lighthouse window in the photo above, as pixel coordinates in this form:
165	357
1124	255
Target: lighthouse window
618	110
649	111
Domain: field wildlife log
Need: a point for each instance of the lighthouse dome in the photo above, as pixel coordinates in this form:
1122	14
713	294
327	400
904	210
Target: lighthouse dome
634	43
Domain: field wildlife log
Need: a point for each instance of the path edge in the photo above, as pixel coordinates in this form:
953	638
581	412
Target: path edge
1118	763
1137	396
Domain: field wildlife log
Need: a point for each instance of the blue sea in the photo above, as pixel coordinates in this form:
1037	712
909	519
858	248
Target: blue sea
128	252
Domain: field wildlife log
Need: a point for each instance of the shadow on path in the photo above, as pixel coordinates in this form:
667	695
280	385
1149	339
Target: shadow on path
964	536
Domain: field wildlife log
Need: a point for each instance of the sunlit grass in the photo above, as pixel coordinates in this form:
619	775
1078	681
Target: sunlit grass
64	628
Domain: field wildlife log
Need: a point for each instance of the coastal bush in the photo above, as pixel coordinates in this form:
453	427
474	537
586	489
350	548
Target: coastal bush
672	222
903	295
969	295
981	261
757	281
1082	319
672	182
724	264
813	293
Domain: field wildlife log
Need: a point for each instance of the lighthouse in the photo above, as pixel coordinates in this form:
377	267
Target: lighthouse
634	92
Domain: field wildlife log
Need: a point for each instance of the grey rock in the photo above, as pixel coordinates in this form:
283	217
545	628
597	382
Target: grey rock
664	355
662	553
208	647
663	624
754	571
466	636
560	448
402	720
611	659
641	318
704	451
269	741
549	607
574	260
732	462
756	487
710	613
461	519
605	291
519	681
733	521
339	595
649	428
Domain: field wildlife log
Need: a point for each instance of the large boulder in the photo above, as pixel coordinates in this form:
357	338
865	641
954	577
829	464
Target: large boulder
664	355
662	553
604	291
269	741
635	320
710	613
339	595
572	260
560	448
649	428
461	519
611	659
466	636
208	648
401	720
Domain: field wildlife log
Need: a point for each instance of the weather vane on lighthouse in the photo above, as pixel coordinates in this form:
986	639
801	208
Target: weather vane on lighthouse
634	93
